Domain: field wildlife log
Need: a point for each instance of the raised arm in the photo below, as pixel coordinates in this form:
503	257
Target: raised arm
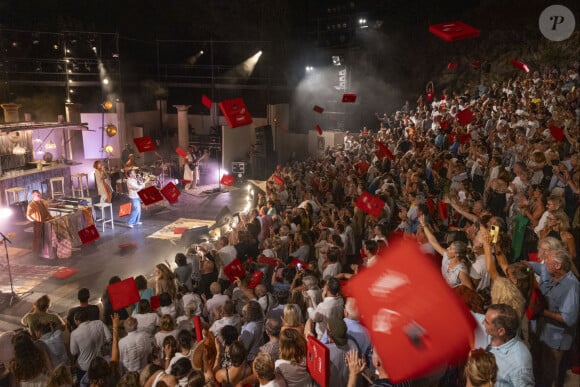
489	259
430	237
467	215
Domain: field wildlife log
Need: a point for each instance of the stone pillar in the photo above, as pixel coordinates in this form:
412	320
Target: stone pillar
182	126
73	112
11	112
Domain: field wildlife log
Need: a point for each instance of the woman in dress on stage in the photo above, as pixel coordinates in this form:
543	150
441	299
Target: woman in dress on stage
103	182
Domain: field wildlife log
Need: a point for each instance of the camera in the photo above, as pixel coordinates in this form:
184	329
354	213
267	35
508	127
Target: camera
494	233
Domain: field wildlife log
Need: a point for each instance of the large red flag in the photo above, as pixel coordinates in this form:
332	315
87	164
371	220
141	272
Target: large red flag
370	204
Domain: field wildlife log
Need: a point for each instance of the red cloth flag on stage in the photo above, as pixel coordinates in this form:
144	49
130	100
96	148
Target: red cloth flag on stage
150	195
349	98
370	204
406	304
180	230
144	144
319	130
456	30
318	361
520	65
227	180
234	270
171	193
124	209
383	151
465	116
181	152
123	293
556	132
89	234
235	112
318	109
205	101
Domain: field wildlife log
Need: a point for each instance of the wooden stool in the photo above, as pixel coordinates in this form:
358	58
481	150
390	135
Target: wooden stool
15	193
58	180
82	185
103	218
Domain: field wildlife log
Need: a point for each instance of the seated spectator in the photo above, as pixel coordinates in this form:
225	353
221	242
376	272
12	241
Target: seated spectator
265	372
39	313
252	333
183	271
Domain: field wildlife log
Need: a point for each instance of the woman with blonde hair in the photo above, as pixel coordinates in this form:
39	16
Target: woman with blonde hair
165	280
166	328
292	318
480	369
557	226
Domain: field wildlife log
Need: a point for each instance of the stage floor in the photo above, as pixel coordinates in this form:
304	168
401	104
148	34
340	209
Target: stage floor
99	261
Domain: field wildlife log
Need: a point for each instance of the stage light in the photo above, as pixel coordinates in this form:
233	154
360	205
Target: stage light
67	51
5	212
309	69
107	105
336	60
109	149
201	52
362	23
70	81
71	91
94	49
50	145
247	67
105	81
111	130
55	47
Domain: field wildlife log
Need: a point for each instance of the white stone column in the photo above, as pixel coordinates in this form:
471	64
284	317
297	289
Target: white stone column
182	126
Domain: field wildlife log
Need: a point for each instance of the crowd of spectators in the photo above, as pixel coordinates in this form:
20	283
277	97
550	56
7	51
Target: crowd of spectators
492	200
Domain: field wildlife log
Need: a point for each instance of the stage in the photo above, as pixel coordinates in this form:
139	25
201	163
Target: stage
92	265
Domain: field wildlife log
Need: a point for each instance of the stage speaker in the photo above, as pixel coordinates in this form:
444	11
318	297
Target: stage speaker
264	142
223	218
194	235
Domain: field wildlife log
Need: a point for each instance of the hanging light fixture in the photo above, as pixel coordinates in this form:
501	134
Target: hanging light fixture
107	105
50	145
109	149
111	130
19	150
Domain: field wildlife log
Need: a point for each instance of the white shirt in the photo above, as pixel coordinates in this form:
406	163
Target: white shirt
147	322
329	307
133	186
134	350
227	254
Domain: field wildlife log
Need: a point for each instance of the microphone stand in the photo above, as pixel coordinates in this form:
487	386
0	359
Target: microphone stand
13	295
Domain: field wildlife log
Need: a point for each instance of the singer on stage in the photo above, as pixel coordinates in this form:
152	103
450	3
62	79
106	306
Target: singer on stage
103	182
37	212
135	184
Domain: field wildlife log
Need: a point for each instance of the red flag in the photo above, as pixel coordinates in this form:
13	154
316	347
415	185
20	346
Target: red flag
154	302
464	138
197	325
144	144
234	269
205	101
475	64
318	109
171	193
180	152
319	130
318	361
268	261
349	98
295	261
406	304
520	65
227	180
451	65
556	132
361	167
89	234
370	204
124	209
235	112
150	195
278	180
454	31
443	210
383	151
123	293
465	116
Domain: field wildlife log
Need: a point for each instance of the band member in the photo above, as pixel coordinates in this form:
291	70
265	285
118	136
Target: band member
135	184
130	163
103	182
126	153
191	170
37	212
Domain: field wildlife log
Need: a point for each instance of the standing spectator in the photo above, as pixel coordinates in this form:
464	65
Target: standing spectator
272	347
87	340
480	369
557	323
108	307
292	361
338	347
148	321
135	348
53	342
228	316
331	306
165	280
183	271
265	372
30	365
226	254
215	303
93	311
513	358
252	333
